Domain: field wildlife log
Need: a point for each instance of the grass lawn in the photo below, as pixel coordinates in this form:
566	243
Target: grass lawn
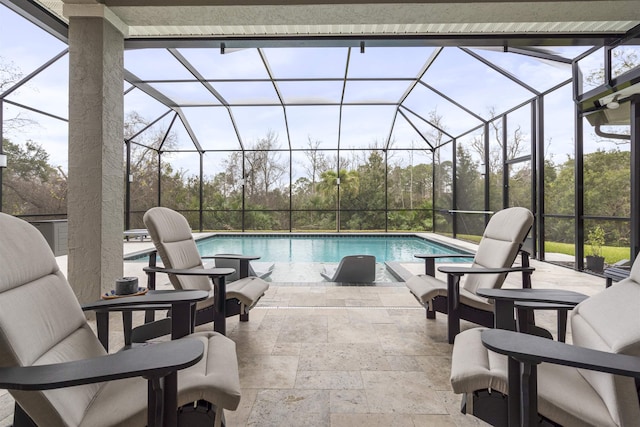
611	254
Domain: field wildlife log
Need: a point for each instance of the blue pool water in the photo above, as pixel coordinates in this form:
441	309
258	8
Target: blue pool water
325	248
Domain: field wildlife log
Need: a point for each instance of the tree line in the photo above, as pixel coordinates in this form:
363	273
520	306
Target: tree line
376	189
257	181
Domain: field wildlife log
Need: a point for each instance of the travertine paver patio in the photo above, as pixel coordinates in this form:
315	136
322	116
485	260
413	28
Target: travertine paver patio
320	354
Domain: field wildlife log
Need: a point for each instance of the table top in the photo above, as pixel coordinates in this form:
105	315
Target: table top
234	256
153	360
537	349
137	231
444	255
558	296
540	305
152	297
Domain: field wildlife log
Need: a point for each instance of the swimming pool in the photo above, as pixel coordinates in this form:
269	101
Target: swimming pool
324	248
299	258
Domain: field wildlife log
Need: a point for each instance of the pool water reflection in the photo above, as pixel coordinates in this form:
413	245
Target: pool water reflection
299	258
323	248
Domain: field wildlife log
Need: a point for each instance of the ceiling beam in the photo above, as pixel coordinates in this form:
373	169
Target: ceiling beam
404	40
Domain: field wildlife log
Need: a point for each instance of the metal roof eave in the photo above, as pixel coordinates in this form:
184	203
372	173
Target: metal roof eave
399	40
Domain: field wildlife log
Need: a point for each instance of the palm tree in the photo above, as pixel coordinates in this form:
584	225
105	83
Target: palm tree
330	179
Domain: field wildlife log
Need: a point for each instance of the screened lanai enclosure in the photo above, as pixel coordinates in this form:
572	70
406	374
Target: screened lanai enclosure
379	135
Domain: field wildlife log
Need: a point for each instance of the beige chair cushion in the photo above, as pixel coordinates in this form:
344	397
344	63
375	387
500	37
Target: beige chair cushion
247	290
499	246
566	398
172	237
124	402
475	368
608	321
42	323
426	288
502	238
263	269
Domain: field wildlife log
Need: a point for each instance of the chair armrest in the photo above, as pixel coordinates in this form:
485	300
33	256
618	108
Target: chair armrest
615	274
505	299
437	256
461	271
152	361
180	303
243	262
158	299
217	276
211	272
430	261
525	352
549	296
534	350
232	256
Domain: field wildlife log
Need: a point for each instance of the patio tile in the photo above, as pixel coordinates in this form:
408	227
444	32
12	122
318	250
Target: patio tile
255	343
351	332
304	329
404	363
401	392
240	416
438	369
329	380
411	344
286	349
348	402
371	420
6	406
452	404
322	355
341	356
375	316
277	408
259	371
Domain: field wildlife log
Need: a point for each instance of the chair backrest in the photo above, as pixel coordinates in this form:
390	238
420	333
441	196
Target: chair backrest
172	237
235	264
504	235
41	322
610	321
356	269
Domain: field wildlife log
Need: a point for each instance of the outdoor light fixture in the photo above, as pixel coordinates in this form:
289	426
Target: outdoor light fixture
361	47
337	181
3	160
614	103
222	46
130	178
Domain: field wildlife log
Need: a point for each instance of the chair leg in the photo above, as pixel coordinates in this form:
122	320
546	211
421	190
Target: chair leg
431	314
491	407
453	305
562	325
219	418
127	326
20	418
453	325
244	313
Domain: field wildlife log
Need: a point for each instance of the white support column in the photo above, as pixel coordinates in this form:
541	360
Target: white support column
96	162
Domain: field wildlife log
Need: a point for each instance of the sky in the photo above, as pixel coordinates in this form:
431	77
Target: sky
454	73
